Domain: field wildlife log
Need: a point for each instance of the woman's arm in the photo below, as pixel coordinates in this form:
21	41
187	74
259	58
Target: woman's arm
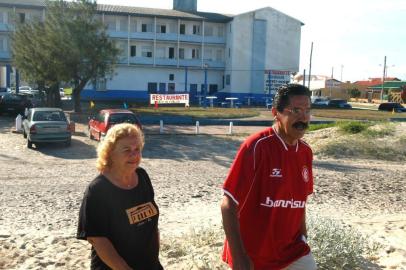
108	254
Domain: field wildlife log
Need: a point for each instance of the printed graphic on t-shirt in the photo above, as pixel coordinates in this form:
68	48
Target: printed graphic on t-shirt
141	212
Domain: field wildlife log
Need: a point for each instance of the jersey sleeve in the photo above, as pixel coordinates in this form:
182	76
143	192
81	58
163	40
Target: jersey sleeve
93	220
241	175
311	182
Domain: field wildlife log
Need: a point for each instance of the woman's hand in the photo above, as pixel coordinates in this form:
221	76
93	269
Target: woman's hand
108	254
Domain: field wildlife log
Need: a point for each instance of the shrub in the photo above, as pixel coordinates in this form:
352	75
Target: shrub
335	246
314	127
353	127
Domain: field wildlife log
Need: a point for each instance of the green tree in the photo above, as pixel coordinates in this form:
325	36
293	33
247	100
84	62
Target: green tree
70	45
354	93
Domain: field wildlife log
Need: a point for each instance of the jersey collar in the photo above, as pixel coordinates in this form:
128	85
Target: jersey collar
283	143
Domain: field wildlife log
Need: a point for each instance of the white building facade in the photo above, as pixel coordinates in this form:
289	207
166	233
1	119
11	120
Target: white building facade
179	50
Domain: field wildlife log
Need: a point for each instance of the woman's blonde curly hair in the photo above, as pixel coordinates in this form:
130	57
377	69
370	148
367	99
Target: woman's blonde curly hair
114	134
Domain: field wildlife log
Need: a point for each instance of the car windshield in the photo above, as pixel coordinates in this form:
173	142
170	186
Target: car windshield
122	118
49	116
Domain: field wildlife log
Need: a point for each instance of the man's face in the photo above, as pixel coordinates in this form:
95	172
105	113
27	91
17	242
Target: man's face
294	119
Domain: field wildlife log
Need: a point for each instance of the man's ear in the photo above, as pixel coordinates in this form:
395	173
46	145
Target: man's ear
274	113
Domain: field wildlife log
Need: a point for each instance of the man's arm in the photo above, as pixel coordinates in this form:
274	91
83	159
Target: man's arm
241	261
108	254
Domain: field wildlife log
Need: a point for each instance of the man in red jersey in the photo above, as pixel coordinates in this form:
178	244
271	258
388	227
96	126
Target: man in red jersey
265	193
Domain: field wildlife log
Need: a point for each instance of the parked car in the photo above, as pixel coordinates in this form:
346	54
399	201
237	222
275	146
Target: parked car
14	103
339	103
319	102
24	89
391	106
46	125
105	119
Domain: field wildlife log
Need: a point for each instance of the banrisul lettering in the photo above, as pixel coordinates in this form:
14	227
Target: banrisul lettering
283	203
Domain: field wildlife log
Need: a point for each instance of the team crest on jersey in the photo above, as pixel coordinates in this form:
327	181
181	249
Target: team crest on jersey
276	172
305	174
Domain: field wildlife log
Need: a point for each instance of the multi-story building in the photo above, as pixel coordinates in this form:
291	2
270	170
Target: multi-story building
179	50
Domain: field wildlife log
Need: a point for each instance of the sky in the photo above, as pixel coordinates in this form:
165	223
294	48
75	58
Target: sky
350	37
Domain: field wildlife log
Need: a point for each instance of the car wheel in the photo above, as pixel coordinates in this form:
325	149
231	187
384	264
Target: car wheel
29	144
68	143
90	134
24	134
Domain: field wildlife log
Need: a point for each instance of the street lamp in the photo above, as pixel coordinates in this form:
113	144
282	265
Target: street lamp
205	86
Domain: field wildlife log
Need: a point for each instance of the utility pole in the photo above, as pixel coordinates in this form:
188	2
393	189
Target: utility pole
331	81
304	77
383	76
310	65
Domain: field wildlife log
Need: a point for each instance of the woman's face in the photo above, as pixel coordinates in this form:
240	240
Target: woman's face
126	155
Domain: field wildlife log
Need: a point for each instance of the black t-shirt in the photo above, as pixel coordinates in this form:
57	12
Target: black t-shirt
128	218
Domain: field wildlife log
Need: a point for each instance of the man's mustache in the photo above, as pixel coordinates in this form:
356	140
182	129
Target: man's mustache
300	124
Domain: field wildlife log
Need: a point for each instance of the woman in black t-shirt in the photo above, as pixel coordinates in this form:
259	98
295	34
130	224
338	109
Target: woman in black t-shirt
118	215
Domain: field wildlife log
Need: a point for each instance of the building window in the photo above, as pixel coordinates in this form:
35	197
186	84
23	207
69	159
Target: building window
146	51
171	88
152	88
181	53
213	88
171	77
162	88
220	31
123	24
3	44
2	17
193	88
208	54
182	29
161	29
171	52
146	27
219	55
133	25
101	84
195	54
110	22
208	30
160	52
228	79
196	29
133	51
229	52
21	17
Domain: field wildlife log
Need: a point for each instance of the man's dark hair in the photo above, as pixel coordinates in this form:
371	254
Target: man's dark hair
283	94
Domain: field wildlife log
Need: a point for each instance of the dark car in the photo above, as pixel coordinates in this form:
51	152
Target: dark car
105	119
339	103
14	103
391	106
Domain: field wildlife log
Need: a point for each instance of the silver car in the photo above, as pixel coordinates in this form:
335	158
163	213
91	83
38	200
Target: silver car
46	125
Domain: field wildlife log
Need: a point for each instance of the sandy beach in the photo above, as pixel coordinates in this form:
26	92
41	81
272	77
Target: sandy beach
41	191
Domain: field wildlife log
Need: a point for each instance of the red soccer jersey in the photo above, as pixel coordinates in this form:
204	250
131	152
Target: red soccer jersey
270	182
